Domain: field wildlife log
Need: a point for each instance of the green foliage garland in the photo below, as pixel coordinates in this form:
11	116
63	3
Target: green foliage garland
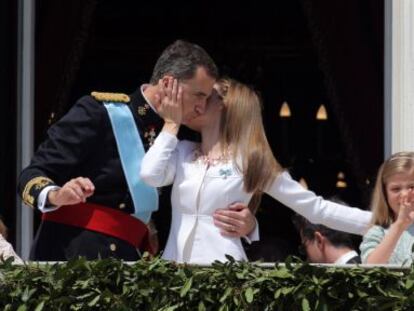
155	284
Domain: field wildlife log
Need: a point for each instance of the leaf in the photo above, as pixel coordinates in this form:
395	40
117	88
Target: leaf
282	273
287	290
361	294
322	306
40	306
305	304
94	301
224	308
249	295
186	287
22	308
230	259
26	294
227	292
409	283
201	306
277	293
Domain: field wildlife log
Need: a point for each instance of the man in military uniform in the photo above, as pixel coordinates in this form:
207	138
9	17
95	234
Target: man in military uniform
76	177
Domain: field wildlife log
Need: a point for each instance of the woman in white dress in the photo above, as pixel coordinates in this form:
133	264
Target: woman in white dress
233	163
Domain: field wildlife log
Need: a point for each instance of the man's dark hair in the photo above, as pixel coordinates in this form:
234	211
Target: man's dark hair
181	60
308	229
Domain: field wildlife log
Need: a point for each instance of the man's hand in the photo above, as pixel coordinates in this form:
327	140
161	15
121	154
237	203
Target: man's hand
235	221
75	191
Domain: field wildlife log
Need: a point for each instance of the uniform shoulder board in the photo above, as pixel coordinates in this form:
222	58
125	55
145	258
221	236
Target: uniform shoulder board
110	97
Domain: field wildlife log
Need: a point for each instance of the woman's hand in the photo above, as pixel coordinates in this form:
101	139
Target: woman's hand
171	107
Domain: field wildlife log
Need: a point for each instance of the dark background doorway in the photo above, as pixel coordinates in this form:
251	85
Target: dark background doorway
8	136
304	52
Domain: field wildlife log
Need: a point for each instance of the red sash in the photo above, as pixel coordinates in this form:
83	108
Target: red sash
104	220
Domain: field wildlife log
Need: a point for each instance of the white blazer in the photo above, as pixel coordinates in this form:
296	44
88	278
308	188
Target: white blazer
198	190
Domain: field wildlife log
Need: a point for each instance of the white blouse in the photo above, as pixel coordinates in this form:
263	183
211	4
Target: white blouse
198	190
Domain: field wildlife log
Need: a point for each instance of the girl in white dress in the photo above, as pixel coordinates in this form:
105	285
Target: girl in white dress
233	163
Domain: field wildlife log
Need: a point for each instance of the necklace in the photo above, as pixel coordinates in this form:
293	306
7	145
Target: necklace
201	158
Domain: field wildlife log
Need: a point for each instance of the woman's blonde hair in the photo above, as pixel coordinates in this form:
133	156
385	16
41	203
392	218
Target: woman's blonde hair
242	133
401	162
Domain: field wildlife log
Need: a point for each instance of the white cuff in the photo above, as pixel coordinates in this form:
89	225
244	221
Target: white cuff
42	200
253	235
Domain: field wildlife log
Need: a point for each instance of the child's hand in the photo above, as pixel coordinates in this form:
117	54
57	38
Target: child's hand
410	197
406	212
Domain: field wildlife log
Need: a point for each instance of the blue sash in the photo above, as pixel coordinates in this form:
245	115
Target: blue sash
131	151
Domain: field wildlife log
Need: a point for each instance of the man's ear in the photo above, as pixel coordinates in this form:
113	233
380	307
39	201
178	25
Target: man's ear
319	239
165	79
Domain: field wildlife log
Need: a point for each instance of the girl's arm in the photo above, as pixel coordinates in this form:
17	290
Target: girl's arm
316	209
382	253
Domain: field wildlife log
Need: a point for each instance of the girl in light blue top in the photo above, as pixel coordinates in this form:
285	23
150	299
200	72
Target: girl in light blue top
390	239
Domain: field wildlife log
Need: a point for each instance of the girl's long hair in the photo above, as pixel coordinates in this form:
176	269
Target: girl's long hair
242	133
401	162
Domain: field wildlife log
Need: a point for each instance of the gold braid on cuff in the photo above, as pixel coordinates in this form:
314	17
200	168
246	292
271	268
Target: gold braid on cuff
36	183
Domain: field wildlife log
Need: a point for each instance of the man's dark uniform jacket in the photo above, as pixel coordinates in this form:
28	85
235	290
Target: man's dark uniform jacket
82	143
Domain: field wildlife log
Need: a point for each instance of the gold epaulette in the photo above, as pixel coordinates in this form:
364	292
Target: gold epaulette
110	97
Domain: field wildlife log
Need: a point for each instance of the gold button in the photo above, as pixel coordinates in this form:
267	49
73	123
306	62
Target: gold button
122	205
112	247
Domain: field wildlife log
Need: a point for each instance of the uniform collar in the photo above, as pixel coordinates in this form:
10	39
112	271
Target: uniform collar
142	109
142	88
150	123
345	257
